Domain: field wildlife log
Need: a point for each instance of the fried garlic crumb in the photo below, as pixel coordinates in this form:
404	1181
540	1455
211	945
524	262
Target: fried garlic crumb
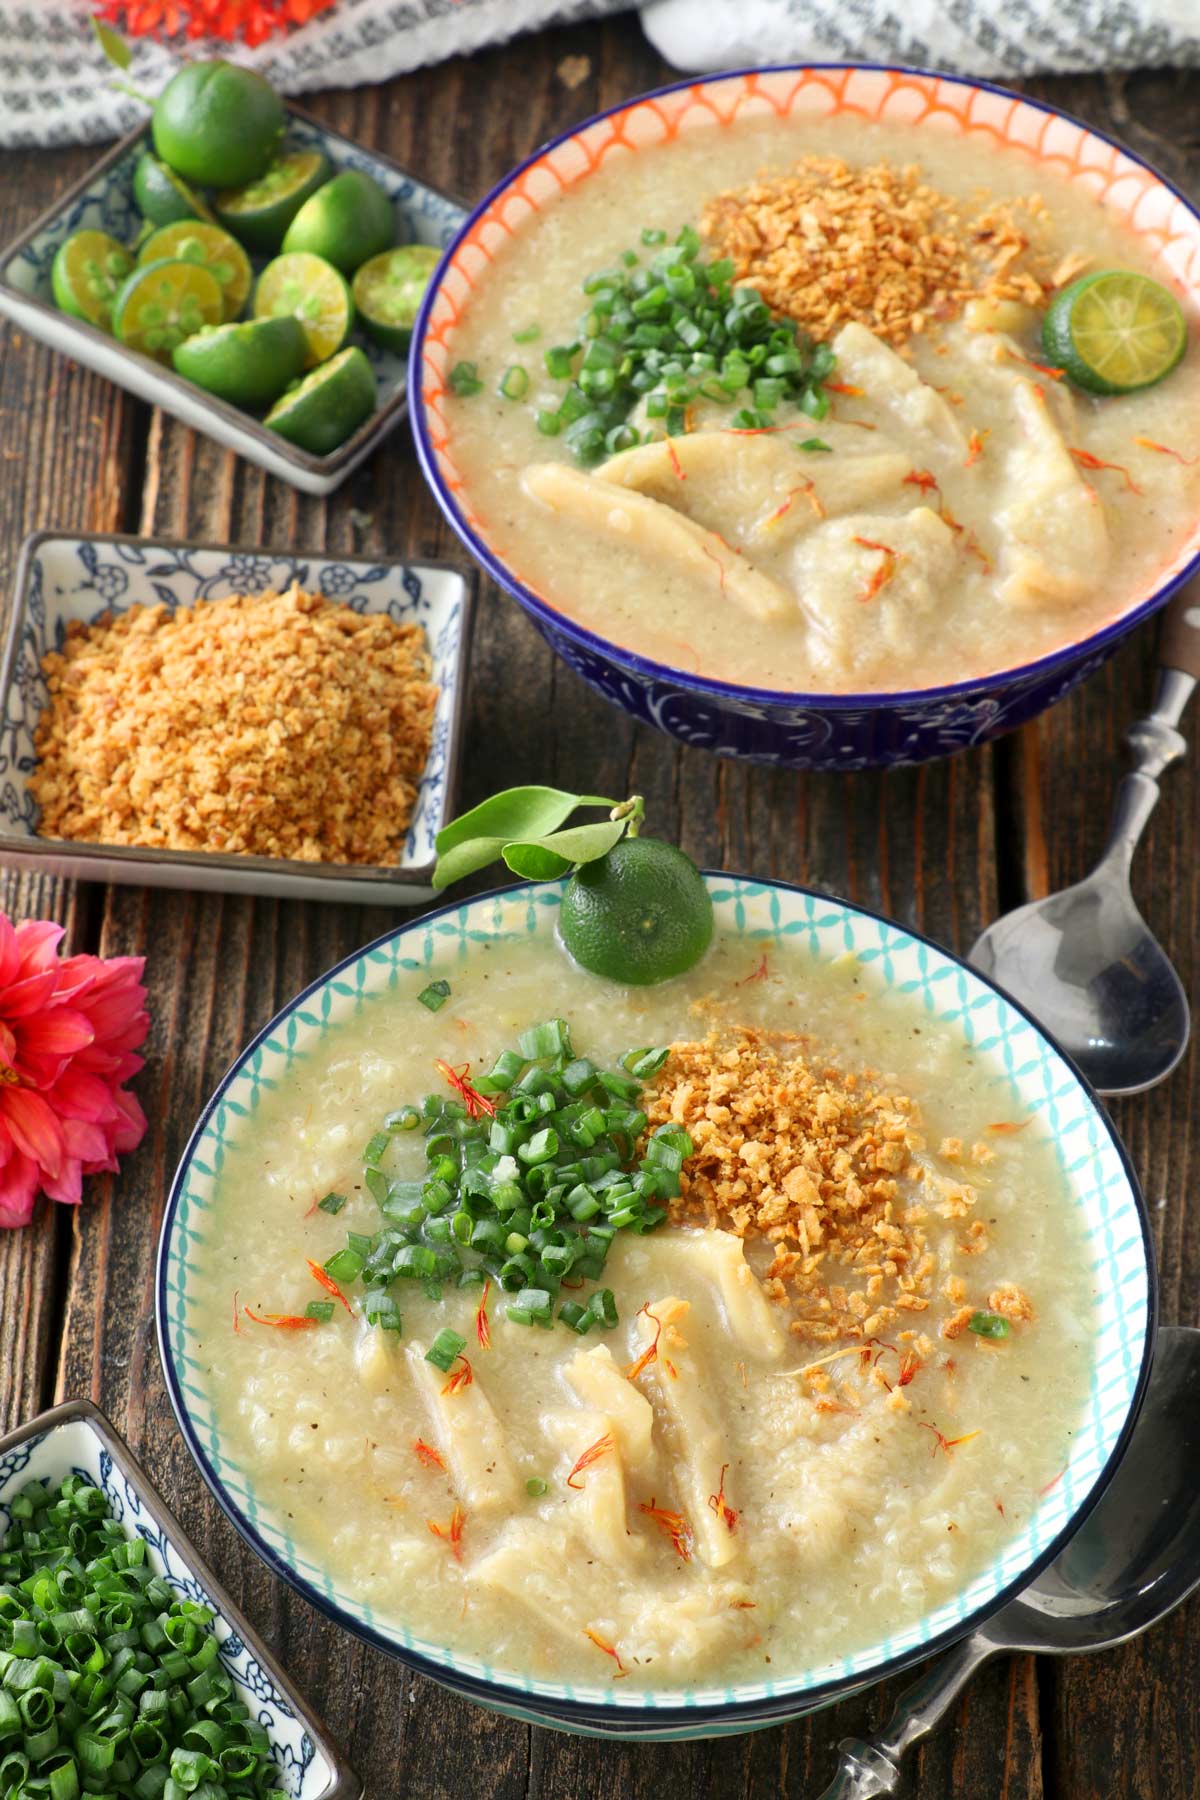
274	724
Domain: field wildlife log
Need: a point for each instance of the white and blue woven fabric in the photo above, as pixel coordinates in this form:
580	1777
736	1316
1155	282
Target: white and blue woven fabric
1002	39
56	88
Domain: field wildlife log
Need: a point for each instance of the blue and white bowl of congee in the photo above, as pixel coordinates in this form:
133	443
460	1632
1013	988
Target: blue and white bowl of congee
660	1361
824	416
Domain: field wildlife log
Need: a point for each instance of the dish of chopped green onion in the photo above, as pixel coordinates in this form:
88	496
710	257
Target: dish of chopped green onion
110	1684
530	1172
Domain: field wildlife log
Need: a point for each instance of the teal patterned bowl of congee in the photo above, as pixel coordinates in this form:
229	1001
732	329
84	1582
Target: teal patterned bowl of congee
666	1361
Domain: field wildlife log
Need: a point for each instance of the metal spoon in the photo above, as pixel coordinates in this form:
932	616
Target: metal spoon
1083	961
1131	1562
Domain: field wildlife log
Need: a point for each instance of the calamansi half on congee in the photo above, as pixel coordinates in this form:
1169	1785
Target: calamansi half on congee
217	124
1115	332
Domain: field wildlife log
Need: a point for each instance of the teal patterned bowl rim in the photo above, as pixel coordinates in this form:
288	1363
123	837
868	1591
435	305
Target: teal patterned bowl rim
1025	1064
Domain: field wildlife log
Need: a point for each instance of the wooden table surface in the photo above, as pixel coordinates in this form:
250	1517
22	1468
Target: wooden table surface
944	847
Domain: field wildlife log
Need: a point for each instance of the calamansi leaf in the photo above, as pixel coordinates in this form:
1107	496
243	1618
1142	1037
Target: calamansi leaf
534	863
112	44
464	859
522	824
518	813
542	859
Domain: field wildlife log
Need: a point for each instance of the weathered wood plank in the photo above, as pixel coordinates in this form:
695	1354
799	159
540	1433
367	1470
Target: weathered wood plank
65	452
1125	1724
918	844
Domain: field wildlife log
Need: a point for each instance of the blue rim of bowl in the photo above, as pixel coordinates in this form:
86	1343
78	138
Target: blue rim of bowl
644	1717
644	667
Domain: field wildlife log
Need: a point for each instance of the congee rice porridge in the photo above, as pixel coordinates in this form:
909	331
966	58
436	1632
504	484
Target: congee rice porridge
598	1360
773	403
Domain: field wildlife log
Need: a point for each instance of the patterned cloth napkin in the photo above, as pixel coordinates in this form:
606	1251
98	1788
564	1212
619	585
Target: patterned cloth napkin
1006	38
56	86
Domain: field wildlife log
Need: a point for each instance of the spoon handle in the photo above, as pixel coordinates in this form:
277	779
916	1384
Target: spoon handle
868	1769
1155	740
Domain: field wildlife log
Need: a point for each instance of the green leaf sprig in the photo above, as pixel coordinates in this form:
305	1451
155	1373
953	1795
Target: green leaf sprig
524	828
119	54
112	44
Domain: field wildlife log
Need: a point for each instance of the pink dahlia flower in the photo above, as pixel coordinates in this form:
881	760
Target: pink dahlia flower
69	1030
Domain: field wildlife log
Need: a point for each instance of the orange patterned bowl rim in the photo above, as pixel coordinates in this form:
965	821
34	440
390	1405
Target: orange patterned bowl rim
1153	209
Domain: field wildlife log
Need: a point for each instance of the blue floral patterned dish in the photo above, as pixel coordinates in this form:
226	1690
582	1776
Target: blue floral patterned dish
63	577
77	1439
104	201
1028	1074
783	727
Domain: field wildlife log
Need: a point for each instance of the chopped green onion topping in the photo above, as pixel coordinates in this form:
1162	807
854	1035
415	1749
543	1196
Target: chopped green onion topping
558	360
530	1171
464	379
664	333
514	383
345	1265
110	1683
321	1310
988	1325
535	1487
445	1349
435	995
332	1203
532	1306
814	444
603	1308
528	334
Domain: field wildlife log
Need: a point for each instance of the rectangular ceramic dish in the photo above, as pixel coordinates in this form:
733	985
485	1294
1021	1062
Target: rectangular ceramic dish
63	576
104	201
77	1439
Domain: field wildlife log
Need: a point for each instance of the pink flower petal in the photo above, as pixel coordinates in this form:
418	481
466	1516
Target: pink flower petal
29	995
113	1068
85	1142
18	1191
67	1185
130	1134
59	1031
10	955
82	974
78	1095
117	1015
34	1127
37	944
